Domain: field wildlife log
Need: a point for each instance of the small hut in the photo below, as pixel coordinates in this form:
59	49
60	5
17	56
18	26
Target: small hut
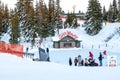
66	39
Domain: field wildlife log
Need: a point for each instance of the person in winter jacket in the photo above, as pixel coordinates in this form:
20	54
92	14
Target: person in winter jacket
79	60
86	62
100	58
82	62
70	61
91	55
75	61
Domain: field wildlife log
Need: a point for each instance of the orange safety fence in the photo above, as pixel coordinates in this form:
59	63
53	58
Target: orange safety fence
13	49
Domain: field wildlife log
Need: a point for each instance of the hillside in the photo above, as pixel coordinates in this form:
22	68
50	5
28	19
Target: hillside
107	38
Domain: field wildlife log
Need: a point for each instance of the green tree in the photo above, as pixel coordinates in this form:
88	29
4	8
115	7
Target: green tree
93	21
26	17
1	18
104	14
15	34
118	16
71	18
5	23
41	19
4	18
110	13
115	10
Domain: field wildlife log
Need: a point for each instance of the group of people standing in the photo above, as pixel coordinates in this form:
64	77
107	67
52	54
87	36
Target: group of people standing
78	61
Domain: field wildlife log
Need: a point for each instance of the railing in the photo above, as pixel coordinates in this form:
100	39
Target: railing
101	46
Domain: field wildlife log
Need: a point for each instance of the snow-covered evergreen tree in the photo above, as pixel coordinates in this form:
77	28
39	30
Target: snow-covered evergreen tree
115	10
41	19
26	17
104	14
4	18
94	20
1	14
5	23
14	27
71	20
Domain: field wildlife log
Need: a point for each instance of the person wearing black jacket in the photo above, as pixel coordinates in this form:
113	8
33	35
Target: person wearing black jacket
70	61
100	58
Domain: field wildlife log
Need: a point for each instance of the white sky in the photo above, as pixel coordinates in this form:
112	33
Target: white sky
68	4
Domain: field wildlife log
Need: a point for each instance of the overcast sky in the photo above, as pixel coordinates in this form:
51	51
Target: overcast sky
68	4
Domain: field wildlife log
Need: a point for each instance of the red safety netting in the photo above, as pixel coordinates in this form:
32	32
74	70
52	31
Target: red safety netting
13	49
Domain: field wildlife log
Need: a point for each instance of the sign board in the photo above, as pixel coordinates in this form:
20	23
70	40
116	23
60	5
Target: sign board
62	35
112	60
43	56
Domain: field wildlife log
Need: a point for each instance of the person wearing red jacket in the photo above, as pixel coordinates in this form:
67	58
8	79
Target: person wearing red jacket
91	55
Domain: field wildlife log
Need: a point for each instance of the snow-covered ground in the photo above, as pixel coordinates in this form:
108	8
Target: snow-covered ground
15	68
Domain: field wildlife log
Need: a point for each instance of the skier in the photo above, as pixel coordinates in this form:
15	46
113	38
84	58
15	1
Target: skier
100	58
70	61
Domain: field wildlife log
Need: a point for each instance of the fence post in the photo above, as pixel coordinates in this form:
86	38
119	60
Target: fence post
99	46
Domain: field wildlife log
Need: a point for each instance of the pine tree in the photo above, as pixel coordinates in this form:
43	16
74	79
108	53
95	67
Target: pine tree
118	16
115	10
71	20
1	18
51	17
41	19
26	17
5	23
15	34
104	14
29	29
58	20
4	18
110	13
93	21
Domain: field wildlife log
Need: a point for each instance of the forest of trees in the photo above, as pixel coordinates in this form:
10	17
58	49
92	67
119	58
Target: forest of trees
26	20
95	16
